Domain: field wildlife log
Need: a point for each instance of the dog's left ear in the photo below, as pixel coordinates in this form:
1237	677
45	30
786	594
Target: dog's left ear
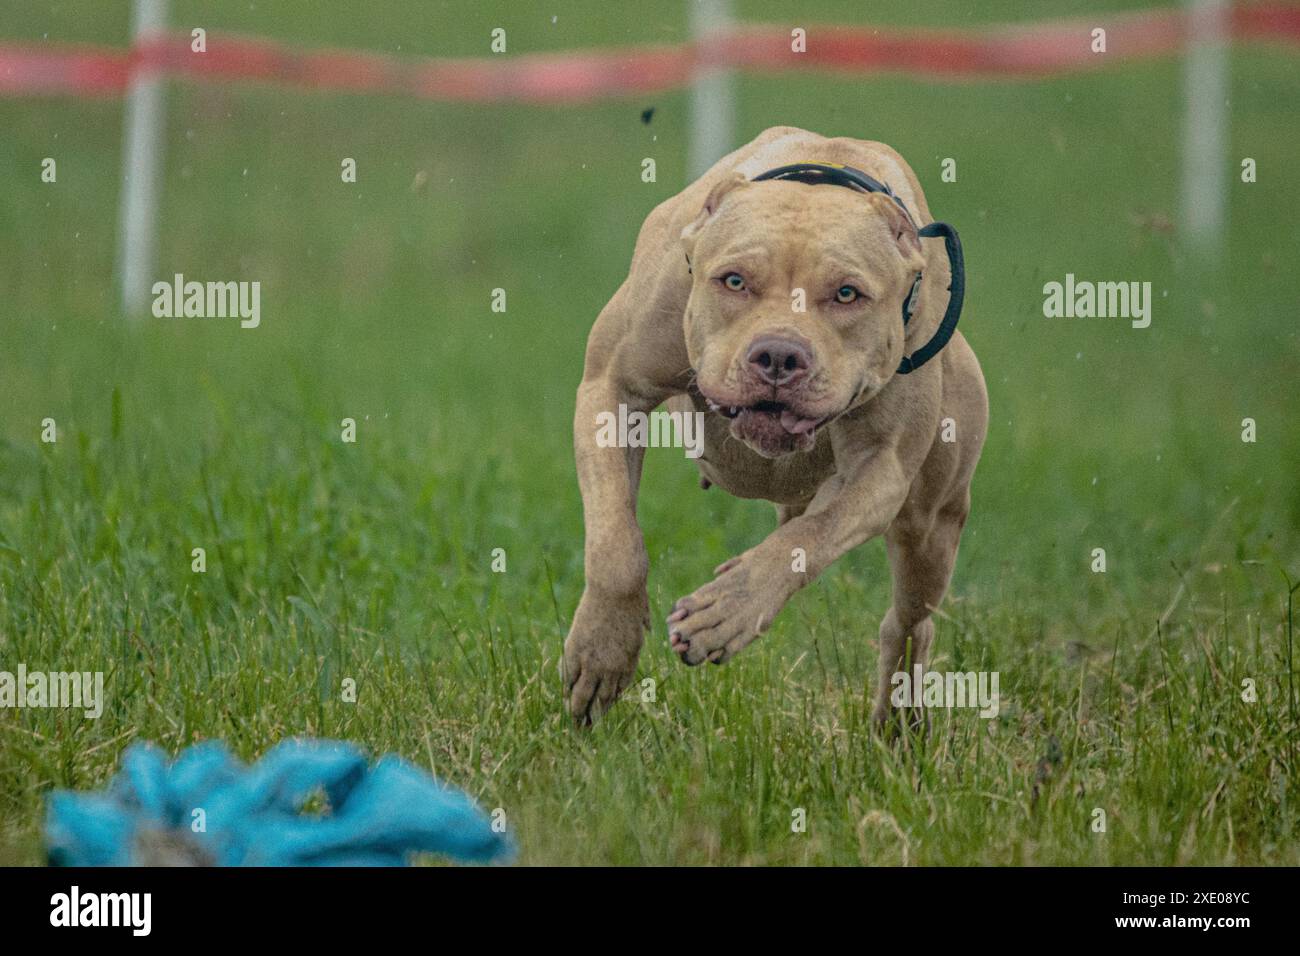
716	195
902	229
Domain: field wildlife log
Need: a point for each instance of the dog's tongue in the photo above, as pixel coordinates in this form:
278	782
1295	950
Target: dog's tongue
796	425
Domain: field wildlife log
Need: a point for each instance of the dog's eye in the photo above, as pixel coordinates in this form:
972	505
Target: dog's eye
846	294
734	281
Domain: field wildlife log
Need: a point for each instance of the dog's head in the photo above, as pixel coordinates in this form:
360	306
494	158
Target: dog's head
795	313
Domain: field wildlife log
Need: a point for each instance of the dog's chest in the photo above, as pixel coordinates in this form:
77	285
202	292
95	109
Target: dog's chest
733	466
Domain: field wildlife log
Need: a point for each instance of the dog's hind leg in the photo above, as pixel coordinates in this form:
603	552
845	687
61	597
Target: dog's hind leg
785	513
922	560
898	654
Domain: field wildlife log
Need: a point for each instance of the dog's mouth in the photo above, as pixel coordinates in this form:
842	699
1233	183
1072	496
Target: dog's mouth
770	427
780	413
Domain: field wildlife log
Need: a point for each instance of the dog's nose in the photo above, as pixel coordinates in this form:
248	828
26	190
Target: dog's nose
779	361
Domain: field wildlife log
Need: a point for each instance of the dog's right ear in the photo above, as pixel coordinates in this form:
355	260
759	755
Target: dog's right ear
716	195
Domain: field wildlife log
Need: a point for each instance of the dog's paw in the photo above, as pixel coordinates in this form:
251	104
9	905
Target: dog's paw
601	652
893	723
720	619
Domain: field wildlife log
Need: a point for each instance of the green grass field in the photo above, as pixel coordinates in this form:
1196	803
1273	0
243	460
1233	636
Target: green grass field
1121	691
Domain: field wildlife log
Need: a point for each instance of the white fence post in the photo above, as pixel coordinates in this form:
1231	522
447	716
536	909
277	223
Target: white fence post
141	167
713	95
1205	132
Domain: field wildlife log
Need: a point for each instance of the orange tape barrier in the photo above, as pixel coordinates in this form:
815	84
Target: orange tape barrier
1019	51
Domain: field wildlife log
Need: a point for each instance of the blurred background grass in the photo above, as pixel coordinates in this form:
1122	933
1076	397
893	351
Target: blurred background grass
372	560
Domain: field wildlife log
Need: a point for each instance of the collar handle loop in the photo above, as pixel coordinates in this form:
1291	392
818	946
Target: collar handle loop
956	294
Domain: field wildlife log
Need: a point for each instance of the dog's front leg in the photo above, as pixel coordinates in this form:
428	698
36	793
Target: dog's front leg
613	614
851	507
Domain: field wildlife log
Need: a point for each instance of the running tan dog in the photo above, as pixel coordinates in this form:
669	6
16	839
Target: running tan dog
777	308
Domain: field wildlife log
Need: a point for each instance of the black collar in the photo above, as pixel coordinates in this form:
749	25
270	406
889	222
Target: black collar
816	174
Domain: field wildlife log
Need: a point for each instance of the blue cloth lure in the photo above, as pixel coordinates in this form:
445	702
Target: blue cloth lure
253	815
